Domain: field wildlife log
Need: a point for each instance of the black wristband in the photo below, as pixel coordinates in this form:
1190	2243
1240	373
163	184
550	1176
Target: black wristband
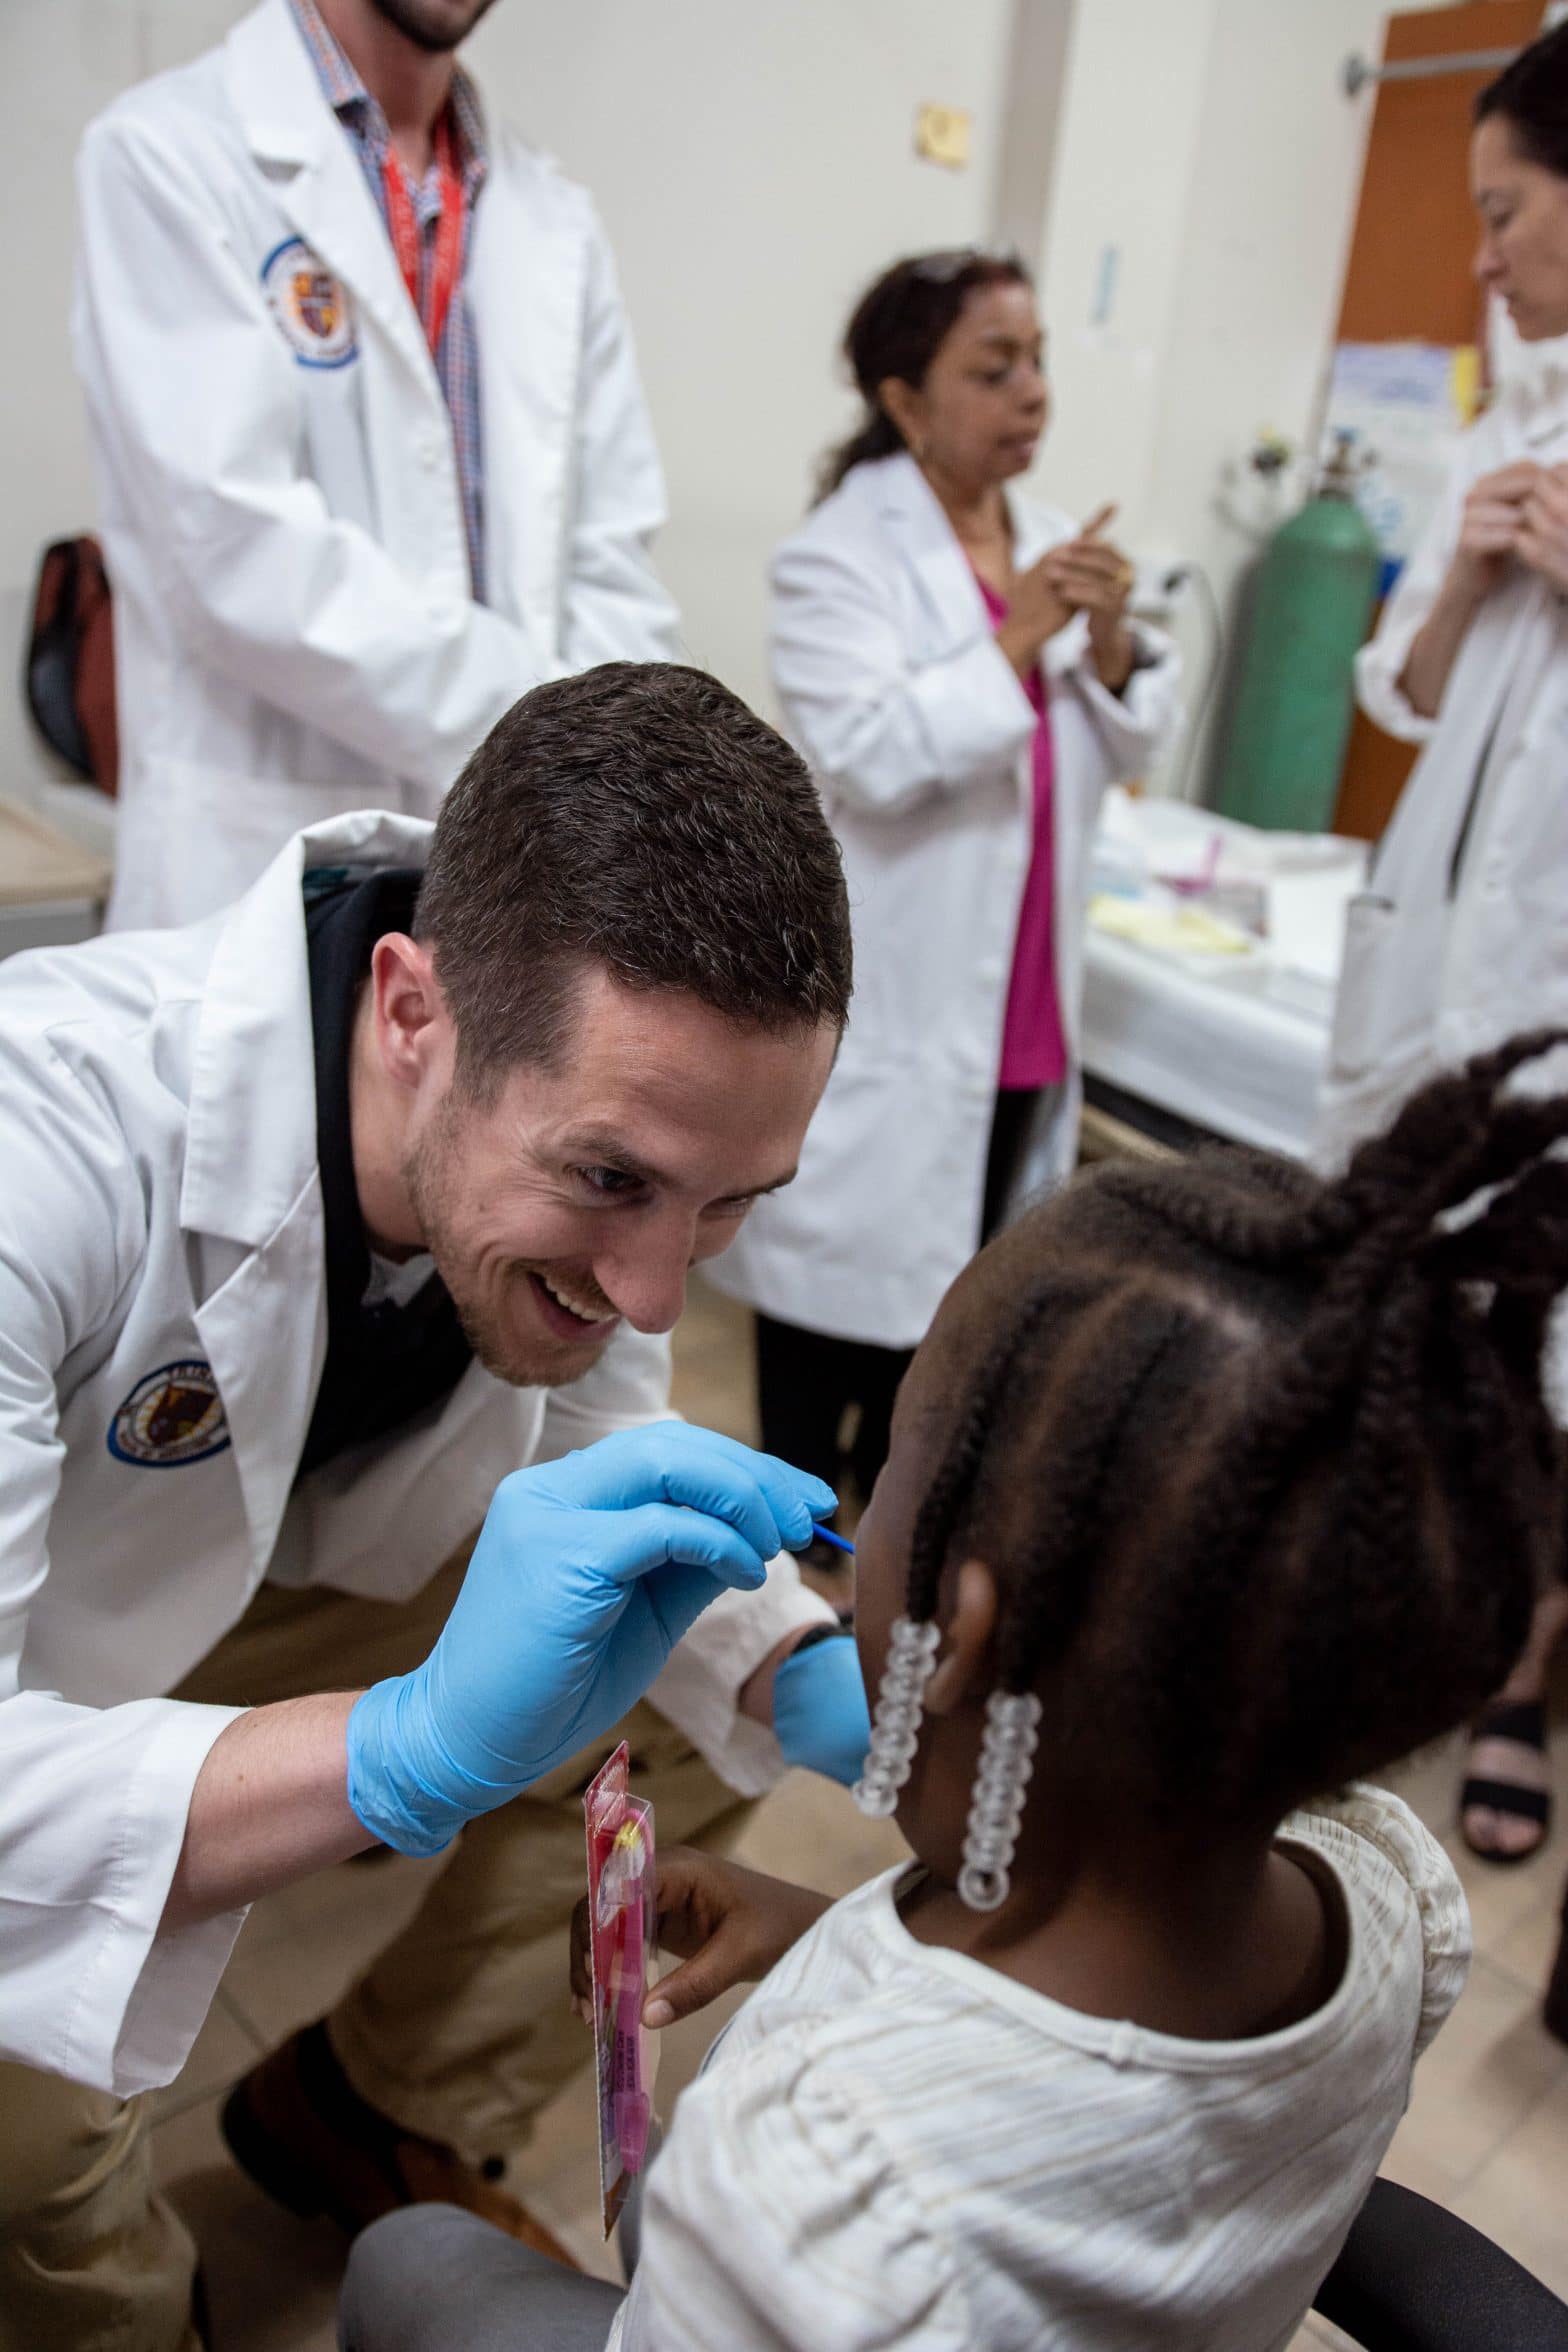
821	1633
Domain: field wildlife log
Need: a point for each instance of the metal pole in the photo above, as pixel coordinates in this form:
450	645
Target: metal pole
1356	72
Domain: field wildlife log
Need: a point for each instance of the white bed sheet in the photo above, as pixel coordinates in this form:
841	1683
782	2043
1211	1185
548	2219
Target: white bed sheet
1221	1052
1237	1044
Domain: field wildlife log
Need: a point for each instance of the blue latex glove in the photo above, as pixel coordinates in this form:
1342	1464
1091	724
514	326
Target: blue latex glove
586	1574
819	1709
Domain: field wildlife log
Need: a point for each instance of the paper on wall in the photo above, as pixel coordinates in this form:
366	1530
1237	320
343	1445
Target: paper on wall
1408	404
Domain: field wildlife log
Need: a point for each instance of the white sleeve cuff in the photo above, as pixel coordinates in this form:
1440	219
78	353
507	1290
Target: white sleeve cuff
96	1804
1379	668
700	1686
153	1991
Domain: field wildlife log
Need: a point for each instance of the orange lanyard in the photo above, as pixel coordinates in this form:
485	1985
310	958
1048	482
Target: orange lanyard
448	257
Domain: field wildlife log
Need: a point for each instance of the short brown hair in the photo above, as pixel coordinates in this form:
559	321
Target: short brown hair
640	818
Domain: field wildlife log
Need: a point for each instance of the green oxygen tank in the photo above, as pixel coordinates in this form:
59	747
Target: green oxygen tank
1295	686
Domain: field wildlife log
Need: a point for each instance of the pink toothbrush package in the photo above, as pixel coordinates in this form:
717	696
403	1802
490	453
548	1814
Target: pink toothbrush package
623	1941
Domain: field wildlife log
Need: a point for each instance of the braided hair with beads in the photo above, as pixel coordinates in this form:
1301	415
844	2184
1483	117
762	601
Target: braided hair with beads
1263	1462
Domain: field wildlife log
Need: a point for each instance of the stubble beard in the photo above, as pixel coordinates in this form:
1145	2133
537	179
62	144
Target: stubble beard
429	1172
418	22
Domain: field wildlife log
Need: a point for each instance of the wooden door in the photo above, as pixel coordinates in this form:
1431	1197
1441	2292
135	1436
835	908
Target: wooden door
1409	276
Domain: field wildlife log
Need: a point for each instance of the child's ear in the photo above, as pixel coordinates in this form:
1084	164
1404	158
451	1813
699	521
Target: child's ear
964	1666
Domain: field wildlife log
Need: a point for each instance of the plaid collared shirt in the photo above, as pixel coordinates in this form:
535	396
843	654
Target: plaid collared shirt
457	353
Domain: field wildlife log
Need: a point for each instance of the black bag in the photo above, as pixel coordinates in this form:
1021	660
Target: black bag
70	661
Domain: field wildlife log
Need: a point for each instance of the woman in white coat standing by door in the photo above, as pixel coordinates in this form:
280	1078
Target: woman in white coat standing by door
1462	937
959	669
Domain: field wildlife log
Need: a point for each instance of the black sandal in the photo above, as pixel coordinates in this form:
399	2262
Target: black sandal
1556	2007
1523	1720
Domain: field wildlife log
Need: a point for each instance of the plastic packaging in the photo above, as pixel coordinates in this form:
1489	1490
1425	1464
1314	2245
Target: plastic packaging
623	1945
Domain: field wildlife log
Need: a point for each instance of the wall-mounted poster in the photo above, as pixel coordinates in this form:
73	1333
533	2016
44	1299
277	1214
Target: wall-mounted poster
1407	404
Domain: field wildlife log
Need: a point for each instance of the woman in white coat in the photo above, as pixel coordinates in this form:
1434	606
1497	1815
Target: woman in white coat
958	667
1462	938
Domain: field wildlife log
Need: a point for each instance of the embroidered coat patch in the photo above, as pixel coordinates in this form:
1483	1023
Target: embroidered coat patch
310	305
174	1416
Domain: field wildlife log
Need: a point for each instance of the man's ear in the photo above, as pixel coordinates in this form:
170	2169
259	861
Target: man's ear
964	1665
410	1012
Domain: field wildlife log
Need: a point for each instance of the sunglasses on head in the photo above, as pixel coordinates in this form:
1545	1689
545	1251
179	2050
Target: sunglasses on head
940	269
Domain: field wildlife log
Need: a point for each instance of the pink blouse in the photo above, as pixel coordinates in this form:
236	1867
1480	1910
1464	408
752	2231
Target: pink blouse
1034	1044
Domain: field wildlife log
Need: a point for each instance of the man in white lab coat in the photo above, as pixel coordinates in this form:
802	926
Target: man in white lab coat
321	1217
372	449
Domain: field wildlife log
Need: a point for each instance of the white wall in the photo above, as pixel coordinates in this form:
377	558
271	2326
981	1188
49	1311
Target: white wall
1134	105
755	167
754	163
1211	142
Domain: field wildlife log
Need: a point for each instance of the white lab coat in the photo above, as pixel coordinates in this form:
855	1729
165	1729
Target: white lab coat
1461	938
920	736
162	1207
295	635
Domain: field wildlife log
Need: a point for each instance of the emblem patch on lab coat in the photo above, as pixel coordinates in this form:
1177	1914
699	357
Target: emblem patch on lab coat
310	305
172	1417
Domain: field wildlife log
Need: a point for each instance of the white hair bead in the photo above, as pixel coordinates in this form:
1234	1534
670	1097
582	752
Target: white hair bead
996	1808
895	1727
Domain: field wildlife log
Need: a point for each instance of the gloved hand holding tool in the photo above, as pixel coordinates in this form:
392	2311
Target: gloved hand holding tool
819	1706
586	1574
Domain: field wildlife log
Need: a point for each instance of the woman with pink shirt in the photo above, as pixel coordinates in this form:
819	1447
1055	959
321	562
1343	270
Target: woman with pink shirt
958	667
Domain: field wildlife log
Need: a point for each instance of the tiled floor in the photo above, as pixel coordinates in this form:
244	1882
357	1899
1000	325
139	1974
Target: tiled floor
1487	2131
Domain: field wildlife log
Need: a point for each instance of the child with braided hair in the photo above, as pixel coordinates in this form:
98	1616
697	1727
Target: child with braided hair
1214	1489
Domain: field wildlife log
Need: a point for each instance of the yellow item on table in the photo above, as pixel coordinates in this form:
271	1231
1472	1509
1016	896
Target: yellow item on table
1171	930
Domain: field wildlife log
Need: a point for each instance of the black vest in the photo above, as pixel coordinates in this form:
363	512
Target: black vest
384	1363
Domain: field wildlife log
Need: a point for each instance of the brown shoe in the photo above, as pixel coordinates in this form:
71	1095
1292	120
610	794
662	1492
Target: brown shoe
297	2125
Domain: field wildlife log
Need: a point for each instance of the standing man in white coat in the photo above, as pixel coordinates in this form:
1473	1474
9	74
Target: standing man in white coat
319	1219
373	453
1461	939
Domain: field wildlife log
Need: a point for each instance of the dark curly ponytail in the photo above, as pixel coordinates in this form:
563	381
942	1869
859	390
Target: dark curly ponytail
897	329
1265	1463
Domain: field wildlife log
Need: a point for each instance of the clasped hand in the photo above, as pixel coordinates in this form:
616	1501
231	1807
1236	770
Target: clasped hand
1518	511
587	1572
1082	575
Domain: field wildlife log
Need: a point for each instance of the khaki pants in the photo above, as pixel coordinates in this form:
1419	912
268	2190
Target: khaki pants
461	2029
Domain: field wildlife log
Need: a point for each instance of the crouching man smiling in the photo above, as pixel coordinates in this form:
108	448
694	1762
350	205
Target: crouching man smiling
321	1218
